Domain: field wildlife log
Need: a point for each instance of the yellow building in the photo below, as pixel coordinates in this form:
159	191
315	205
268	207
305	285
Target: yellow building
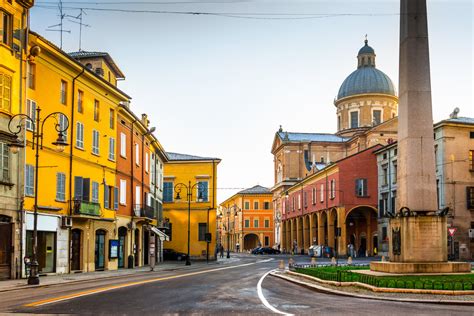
193	179
13	55
247	220
77	197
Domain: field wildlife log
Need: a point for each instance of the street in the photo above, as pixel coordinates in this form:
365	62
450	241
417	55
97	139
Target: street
224	288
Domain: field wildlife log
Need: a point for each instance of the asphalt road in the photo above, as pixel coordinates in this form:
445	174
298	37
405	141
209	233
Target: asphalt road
217	289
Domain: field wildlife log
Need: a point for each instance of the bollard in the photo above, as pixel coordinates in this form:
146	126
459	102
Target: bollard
349	260
313	260
383	258
333	261
281	266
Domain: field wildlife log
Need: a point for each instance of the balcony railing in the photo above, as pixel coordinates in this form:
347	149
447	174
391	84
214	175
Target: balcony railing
86	208
142	210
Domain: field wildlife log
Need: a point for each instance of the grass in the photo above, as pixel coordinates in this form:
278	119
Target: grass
436	282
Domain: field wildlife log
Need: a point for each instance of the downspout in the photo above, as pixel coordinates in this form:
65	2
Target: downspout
71	126
131	257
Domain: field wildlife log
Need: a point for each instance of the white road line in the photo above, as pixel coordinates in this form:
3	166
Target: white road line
264	300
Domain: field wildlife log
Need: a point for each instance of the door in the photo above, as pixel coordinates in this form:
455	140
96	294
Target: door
363	246
121	251
5	247
137	247
76	249
146	247
100	250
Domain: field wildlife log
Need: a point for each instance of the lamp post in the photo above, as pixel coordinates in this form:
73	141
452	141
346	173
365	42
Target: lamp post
228	233
38	132
189	194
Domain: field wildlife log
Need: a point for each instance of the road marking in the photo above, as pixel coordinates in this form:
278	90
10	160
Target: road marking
264	300
121	286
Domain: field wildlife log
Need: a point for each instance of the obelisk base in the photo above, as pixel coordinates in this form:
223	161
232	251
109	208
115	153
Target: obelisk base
418	244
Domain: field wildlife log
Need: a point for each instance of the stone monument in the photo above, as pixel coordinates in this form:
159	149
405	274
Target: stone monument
418	231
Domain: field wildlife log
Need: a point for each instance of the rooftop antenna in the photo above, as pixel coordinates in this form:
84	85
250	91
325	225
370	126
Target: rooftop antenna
60	25
79	21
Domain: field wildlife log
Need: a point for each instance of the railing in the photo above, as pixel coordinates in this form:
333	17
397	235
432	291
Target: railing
86	208
142	210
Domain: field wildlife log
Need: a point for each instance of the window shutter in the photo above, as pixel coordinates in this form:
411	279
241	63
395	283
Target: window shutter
357	187
364	183
86	184
470	197
106	196
58	186
78	188
205	191
116	197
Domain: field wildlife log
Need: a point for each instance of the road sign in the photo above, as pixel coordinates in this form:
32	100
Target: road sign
451	231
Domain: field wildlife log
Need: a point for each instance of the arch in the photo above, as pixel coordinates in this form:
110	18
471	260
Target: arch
251	241
100	243
314	229
6	229
360	225
306	232
76	249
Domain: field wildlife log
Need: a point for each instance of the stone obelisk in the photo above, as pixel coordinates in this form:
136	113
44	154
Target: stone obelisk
418	232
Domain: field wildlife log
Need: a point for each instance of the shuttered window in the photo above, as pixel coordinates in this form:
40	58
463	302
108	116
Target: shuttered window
4	162
168	192
80	135
123	145
112	148
82	189
95	142
470	197
60	186
203	191
123	192
106	196
31	112
361	187
5	92
116	198
29	180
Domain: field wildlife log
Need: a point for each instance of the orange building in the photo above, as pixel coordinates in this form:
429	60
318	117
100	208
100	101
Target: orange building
246	220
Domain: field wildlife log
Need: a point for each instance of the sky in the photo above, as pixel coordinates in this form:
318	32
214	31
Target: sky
221	85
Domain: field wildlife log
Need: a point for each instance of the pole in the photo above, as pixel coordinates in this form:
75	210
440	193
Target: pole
33	278
228	234
190	194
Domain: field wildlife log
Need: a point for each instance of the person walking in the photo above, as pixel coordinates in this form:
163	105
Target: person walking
221	250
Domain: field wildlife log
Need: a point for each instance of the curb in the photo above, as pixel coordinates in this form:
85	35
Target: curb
326	290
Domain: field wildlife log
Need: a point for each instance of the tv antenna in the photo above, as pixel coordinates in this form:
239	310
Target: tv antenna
78	20
51	28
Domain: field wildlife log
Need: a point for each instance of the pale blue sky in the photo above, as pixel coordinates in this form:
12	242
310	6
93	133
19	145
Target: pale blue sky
221	86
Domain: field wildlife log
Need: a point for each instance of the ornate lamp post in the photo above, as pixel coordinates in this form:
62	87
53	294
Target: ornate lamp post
38	132
189	195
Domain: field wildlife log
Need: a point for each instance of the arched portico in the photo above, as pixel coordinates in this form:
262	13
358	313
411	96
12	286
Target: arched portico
361	225
250	241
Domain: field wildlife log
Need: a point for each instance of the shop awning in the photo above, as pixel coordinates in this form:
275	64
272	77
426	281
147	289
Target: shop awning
160	234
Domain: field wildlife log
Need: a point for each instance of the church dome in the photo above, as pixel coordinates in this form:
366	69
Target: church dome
367	78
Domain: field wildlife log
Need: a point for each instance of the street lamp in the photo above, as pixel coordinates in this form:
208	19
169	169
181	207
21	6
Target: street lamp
37	144
235	207
189	194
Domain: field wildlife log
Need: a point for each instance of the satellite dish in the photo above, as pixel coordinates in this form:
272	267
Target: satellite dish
456	110
455	113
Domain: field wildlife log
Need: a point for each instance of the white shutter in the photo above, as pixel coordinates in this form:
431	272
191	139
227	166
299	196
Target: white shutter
123	192
138	195
123	145
146	162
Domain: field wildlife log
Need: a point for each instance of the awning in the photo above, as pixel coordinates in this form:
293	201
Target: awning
160	234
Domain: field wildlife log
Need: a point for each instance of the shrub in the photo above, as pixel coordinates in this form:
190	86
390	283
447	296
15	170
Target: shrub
409	285
438	286
391	283
419	285
428	285
400	284
458	286
382	283
447	286
467	286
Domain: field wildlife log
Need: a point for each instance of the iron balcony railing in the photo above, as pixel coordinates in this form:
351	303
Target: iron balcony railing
142	210
86	208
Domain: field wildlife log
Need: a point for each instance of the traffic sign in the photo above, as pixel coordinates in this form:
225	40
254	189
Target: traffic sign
451	231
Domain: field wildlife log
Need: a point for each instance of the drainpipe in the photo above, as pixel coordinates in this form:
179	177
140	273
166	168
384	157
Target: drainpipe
131	258
71	127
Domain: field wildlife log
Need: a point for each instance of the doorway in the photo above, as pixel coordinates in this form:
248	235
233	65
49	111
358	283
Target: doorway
375	242
137	247
5	247
122	232
146	246
46	250
363	247
100	250
76	238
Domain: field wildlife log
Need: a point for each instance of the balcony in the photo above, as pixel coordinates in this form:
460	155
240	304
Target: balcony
142	210
86	208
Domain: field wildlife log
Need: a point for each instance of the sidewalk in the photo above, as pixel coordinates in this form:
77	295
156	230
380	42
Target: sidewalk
17	284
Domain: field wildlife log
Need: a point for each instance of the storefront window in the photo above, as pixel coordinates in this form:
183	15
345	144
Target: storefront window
46	253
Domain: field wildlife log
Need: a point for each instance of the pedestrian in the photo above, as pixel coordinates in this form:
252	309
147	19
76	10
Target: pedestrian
221	251
237	246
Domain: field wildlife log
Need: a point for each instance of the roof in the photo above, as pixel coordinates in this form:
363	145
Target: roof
83	54
458	120
366	80
185	157
258	189
366	49
311	137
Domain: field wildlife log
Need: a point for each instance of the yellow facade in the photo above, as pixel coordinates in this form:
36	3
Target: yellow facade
187	170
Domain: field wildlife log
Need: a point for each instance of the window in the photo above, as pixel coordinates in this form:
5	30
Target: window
95	192
376	117
321	193
471	134
112	148
168	192
394	178
247	223
267	223
266	205
313	196
361	187
137	154
299	201
170	231
112	118
338	122
384	233
80	135
247	205
95	142
202	230
267	241
393	201
123	145
147	162
63	124
471	160
5	162
29	180
96	110
138	198
152	169
305	199
255	205
354	119
5	91
60	186
116	198
203	191
385	175
470	197
63	95
383	203
31	76
31	112
123	192
80	98
255	223
6	29
332	194
106	196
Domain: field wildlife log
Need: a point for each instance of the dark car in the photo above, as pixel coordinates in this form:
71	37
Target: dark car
256	251
265	251
170	254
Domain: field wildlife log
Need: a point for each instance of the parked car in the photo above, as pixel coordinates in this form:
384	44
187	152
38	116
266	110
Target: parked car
265	251
170	254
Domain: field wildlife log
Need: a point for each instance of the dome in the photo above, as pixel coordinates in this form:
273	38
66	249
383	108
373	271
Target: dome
366	80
